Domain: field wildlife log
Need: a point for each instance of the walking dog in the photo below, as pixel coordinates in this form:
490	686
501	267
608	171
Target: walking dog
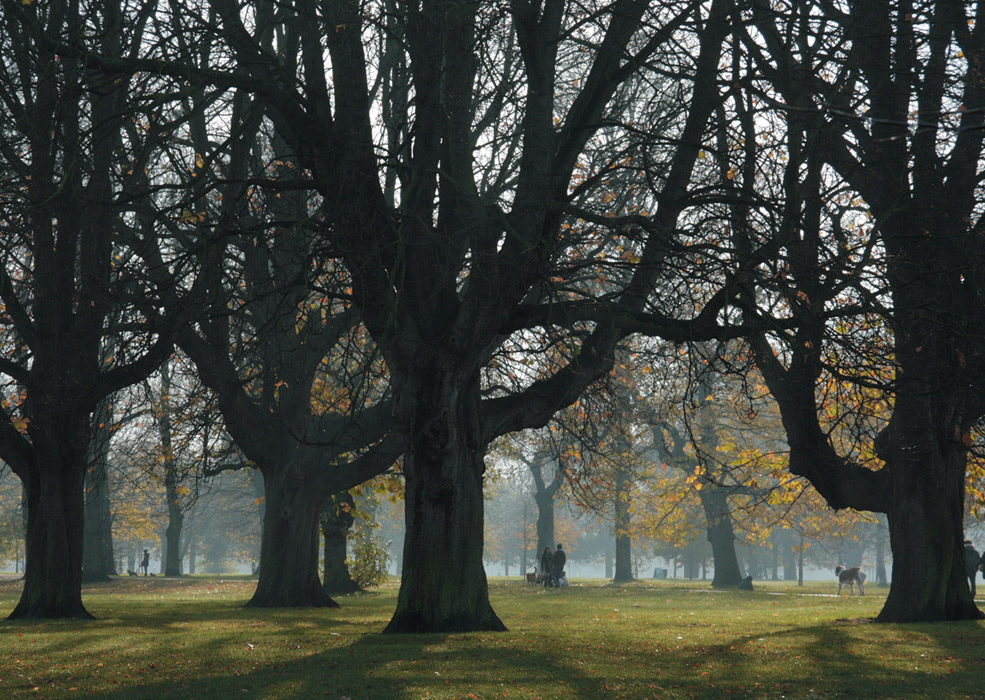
849	577
532	578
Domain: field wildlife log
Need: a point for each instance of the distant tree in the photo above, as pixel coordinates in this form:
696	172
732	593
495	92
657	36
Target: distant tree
538	451
98	560
337	519
11	520
295	378
611	453
509	521
188	438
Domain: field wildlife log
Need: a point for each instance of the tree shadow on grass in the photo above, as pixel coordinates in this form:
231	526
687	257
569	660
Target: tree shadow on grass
396	667
841	660
215	649
830	660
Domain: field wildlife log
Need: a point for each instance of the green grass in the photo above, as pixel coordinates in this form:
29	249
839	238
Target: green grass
191	638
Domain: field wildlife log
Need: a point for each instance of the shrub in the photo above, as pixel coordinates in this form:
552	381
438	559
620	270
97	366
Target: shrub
369	560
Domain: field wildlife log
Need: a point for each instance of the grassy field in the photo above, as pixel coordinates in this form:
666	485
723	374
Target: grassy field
191	638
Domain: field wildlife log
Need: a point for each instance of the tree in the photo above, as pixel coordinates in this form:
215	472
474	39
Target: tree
887	97
446	270
472	211
72	138
537	450
297	384
188	439
611	452
296	378
337	519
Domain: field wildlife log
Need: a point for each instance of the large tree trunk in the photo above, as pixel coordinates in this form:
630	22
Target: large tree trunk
55	526
624	541
172	552
926	534
336	520
544	495
289	545
97	549
444	587
789	563
721	536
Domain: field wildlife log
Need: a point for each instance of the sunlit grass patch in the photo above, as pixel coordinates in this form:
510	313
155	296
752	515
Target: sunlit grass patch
192	637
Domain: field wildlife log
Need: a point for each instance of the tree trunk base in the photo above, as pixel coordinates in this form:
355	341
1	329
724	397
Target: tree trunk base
314	599
341	588
960	613
415	623
45	612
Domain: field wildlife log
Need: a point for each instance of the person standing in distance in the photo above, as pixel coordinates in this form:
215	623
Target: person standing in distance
546	566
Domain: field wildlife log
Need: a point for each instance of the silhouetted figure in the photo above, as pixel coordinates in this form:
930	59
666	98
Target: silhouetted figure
546	561
972	560
145	562
746	584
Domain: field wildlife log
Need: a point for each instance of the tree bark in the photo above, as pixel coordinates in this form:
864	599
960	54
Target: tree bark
789	561
926	535
172	551
162	405
444	587
289	544
97	550
721	536
545	521
55	527
624	541
336	521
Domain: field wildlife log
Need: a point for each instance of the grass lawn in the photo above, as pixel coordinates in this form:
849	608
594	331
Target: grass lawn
191	638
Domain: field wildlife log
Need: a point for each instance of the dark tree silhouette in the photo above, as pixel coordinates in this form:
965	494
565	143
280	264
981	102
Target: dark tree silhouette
888	97
69	143
445	267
